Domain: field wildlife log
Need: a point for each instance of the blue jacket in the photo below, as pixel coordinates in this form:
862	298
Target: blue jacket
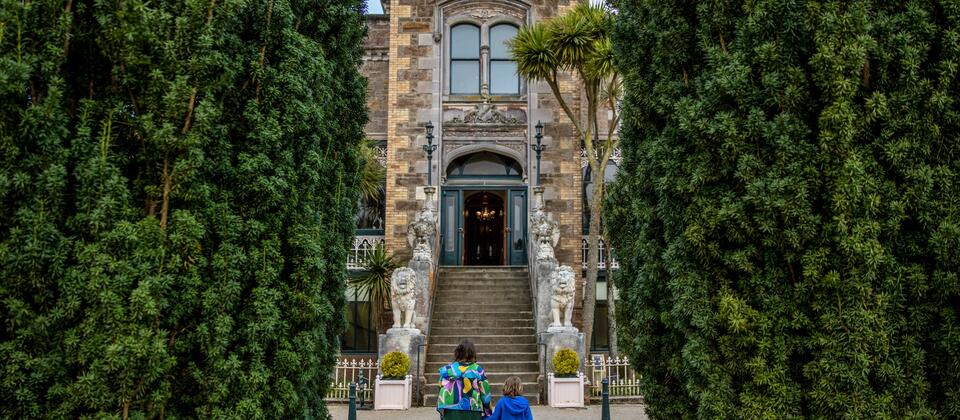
512	408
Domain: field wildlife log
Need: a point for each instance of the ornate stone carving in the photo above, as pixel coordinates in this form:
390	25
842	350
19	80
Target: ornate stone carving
487	11
403	286
563	285
486	113
423	228
547	233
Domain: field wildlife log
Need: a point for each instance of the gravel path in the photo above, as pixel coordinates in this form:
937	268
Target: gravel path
617	412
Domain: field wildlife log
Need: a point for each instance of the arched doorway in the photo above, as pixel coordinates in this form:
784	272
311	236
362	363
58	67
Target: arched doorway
484	211
484	234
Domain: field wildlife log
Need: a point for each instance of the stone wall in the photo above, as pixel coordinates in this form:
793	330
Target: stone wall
375	67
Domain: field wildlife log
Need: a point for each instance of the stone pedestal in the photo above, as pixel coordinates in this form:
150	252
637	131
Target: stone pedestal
557	338
404	340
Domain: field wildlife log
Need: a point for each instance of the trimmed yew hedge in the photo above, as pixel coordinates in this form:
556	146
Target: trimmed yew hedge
177	190
788	209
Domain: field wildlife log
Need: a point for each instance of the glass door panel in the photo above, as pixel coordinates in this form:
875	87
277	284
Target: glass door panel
517	227
452	223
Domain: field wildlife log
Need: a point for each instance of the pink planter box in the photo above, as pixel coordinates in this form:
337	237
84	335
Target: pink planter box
565	392
392	394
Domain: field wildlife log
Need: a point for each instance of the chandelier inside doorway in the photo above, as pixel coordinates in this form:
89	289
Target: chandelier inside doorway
486	214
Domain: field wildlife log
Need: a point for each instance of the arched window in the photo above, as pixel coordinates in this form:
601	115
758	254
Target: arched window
484	165
465	59
503	70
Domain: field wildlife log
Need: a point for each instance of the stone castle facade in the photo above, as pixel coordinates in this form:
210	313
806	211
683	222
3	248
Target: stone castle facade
445	63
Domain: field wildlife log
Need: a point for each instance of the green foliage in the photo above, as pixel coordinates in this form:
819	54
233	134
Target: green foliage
177	187
788	209
395	365
566	362
374	282
372	173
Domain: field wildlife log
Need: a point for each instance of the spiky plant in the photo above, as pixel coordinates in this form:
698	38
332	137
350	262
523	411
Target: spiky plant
374	283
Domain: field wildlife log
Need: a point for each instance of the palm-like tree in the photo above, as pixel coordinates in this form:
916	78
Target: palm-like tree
578	44
374	282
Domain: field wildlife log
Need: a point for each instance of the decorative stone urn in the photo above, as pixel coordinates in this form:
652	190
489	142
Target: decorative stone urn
393	394
565	392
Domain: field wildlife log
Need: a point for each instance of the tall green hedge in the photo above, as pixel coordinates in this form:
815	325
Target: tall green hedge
788	209
177	189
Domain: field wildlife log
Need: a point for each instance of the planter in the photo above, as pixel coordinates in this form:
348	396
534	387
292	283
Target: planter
565	392
392	394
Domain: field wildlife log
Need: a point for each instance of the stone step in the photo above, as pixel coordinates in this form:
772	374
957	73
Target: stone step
492	377
430	400
446	307
527	331
482	313
471	285
479	339
484	268
447	348
491	366
444	358
504	298
480	323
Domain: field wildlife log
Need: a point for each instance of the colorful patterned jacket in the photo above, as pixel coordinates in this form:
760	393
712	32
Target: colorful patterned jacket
465	388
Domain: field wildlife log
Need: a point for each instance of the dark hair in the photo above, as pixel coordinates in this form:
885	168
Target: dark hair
465	352
513	386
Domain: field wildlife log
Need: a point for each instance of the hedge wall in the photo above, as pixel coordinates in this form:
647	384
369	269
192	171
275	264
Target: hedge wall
177	188
788	209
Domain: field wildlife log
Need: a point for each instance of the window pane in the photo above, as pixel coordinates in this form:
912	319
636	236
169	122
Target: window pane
499	35
465	41
503	77
465	77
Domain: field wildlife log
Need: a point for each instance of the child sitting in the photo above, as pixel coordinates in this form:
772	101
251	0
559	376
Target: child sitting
512	406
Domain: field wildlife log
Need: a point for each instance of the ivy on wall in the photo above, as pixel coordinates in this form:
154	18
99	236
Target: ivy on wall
177	191
788	209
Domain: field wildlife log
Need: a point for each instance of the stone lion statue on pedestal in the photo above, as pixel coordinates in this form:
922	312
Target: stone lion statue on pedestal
564	288
403	299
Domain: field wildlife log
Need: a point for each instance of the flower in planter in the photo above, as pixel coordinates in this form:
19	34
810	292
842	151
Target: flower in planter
566	363
395	365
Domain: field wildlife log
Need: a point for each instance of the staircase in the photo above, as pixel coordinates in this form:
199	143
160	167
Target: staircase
492	307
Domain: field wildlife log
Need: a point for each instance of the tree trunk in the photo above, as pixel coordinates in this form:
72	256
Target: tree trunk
611	307
593	259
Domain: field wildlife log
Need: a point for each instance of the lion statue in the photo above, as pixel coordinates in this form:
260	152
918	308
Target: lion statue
564	286
403	286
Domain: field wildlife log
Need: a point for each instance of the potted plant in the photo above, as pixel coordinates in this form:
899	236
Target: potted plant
392	390
566	381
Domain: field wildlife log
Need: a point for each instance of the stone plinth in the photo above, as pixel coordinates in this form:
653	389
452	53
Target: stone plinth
404	340
557	338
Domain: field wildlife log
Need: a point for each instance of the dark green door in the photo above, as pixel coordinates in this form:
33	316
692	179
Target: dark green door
452	222
517	227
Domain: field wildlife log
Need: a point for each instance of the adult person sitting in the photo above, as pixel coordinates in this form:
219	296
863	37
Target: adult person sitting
464	390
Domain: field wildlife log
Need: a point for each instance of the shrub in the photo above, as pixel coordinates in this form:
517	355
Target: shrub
566	363
395	365
177	192
787	210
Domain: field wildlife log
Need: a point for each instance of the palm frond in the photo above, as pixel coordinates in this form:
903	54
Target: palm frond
372	173
375	280
532	53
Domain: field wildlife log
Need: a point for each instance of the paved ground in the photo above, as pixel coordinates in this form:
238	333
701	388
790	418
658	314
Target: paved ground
617	412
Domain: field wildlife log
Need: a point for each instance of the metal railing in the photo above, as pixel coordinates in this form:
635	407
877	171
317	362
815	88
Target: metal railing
363	245
608	258
624	381
351	372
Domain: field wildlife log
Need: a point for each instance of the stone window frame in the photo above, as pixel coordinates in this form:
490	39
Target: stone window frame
453	17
